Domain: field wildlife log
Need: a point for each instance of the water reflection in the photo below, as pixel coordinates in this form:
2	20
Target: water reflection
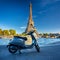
41	41
45	41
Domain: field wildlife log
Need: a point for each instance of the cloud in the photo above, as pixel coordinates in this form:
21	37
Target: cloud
23	27
46	2
40	12
3	27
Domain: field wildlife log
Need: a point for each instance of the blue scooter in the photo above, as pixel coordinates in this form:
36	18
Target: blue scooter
18	43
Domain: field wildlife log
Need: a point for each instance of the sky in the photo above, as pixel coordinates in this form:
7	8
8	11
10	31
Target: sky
14	14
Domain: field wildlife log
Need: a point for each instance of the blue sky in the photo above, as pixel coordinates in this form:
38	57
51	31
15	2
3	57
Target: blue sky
14	14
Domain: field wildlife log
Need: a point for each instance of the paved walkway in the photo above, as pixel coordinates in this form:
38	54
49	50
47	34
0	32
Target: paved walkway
51	52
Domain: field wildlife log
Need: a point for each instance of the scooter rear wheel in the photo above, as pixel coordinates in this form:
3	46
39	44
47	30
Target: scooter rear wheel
12	49
37	48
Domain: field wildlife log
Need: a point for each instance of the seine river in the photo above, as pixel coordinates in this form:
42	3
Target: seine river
41	41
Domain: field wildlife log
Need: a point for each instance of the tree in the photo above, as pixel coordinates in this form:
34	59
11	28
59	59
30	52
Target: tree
12	32
45	35
5	32
1	32
24	34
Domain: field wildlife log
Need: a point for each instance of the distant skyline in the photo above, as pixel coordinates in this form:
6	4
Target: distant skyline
14	14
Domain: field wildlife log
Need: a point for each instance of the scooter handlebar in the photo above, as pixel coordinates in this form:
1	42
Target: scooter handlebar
31	32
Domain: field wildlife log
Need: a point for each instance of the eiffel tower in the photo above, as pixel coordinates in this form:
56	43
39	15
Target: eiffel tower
30	25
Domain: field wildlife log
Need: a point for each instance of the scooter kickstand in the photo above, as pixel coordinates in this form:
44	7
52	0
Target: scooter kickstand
19	52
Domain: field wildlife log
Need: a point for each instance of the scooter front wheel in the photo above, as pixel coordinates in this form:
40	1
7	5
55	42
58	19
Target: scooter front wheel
12	49
37	48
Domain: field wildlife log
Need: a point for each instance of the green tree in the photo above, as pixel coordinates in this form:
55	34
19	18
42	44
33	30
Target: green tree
12	32
45	35
1	32
40	34
5	32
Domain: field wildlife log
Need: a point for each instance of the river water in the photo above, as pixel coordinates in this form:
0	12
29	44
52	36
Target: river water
41	41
